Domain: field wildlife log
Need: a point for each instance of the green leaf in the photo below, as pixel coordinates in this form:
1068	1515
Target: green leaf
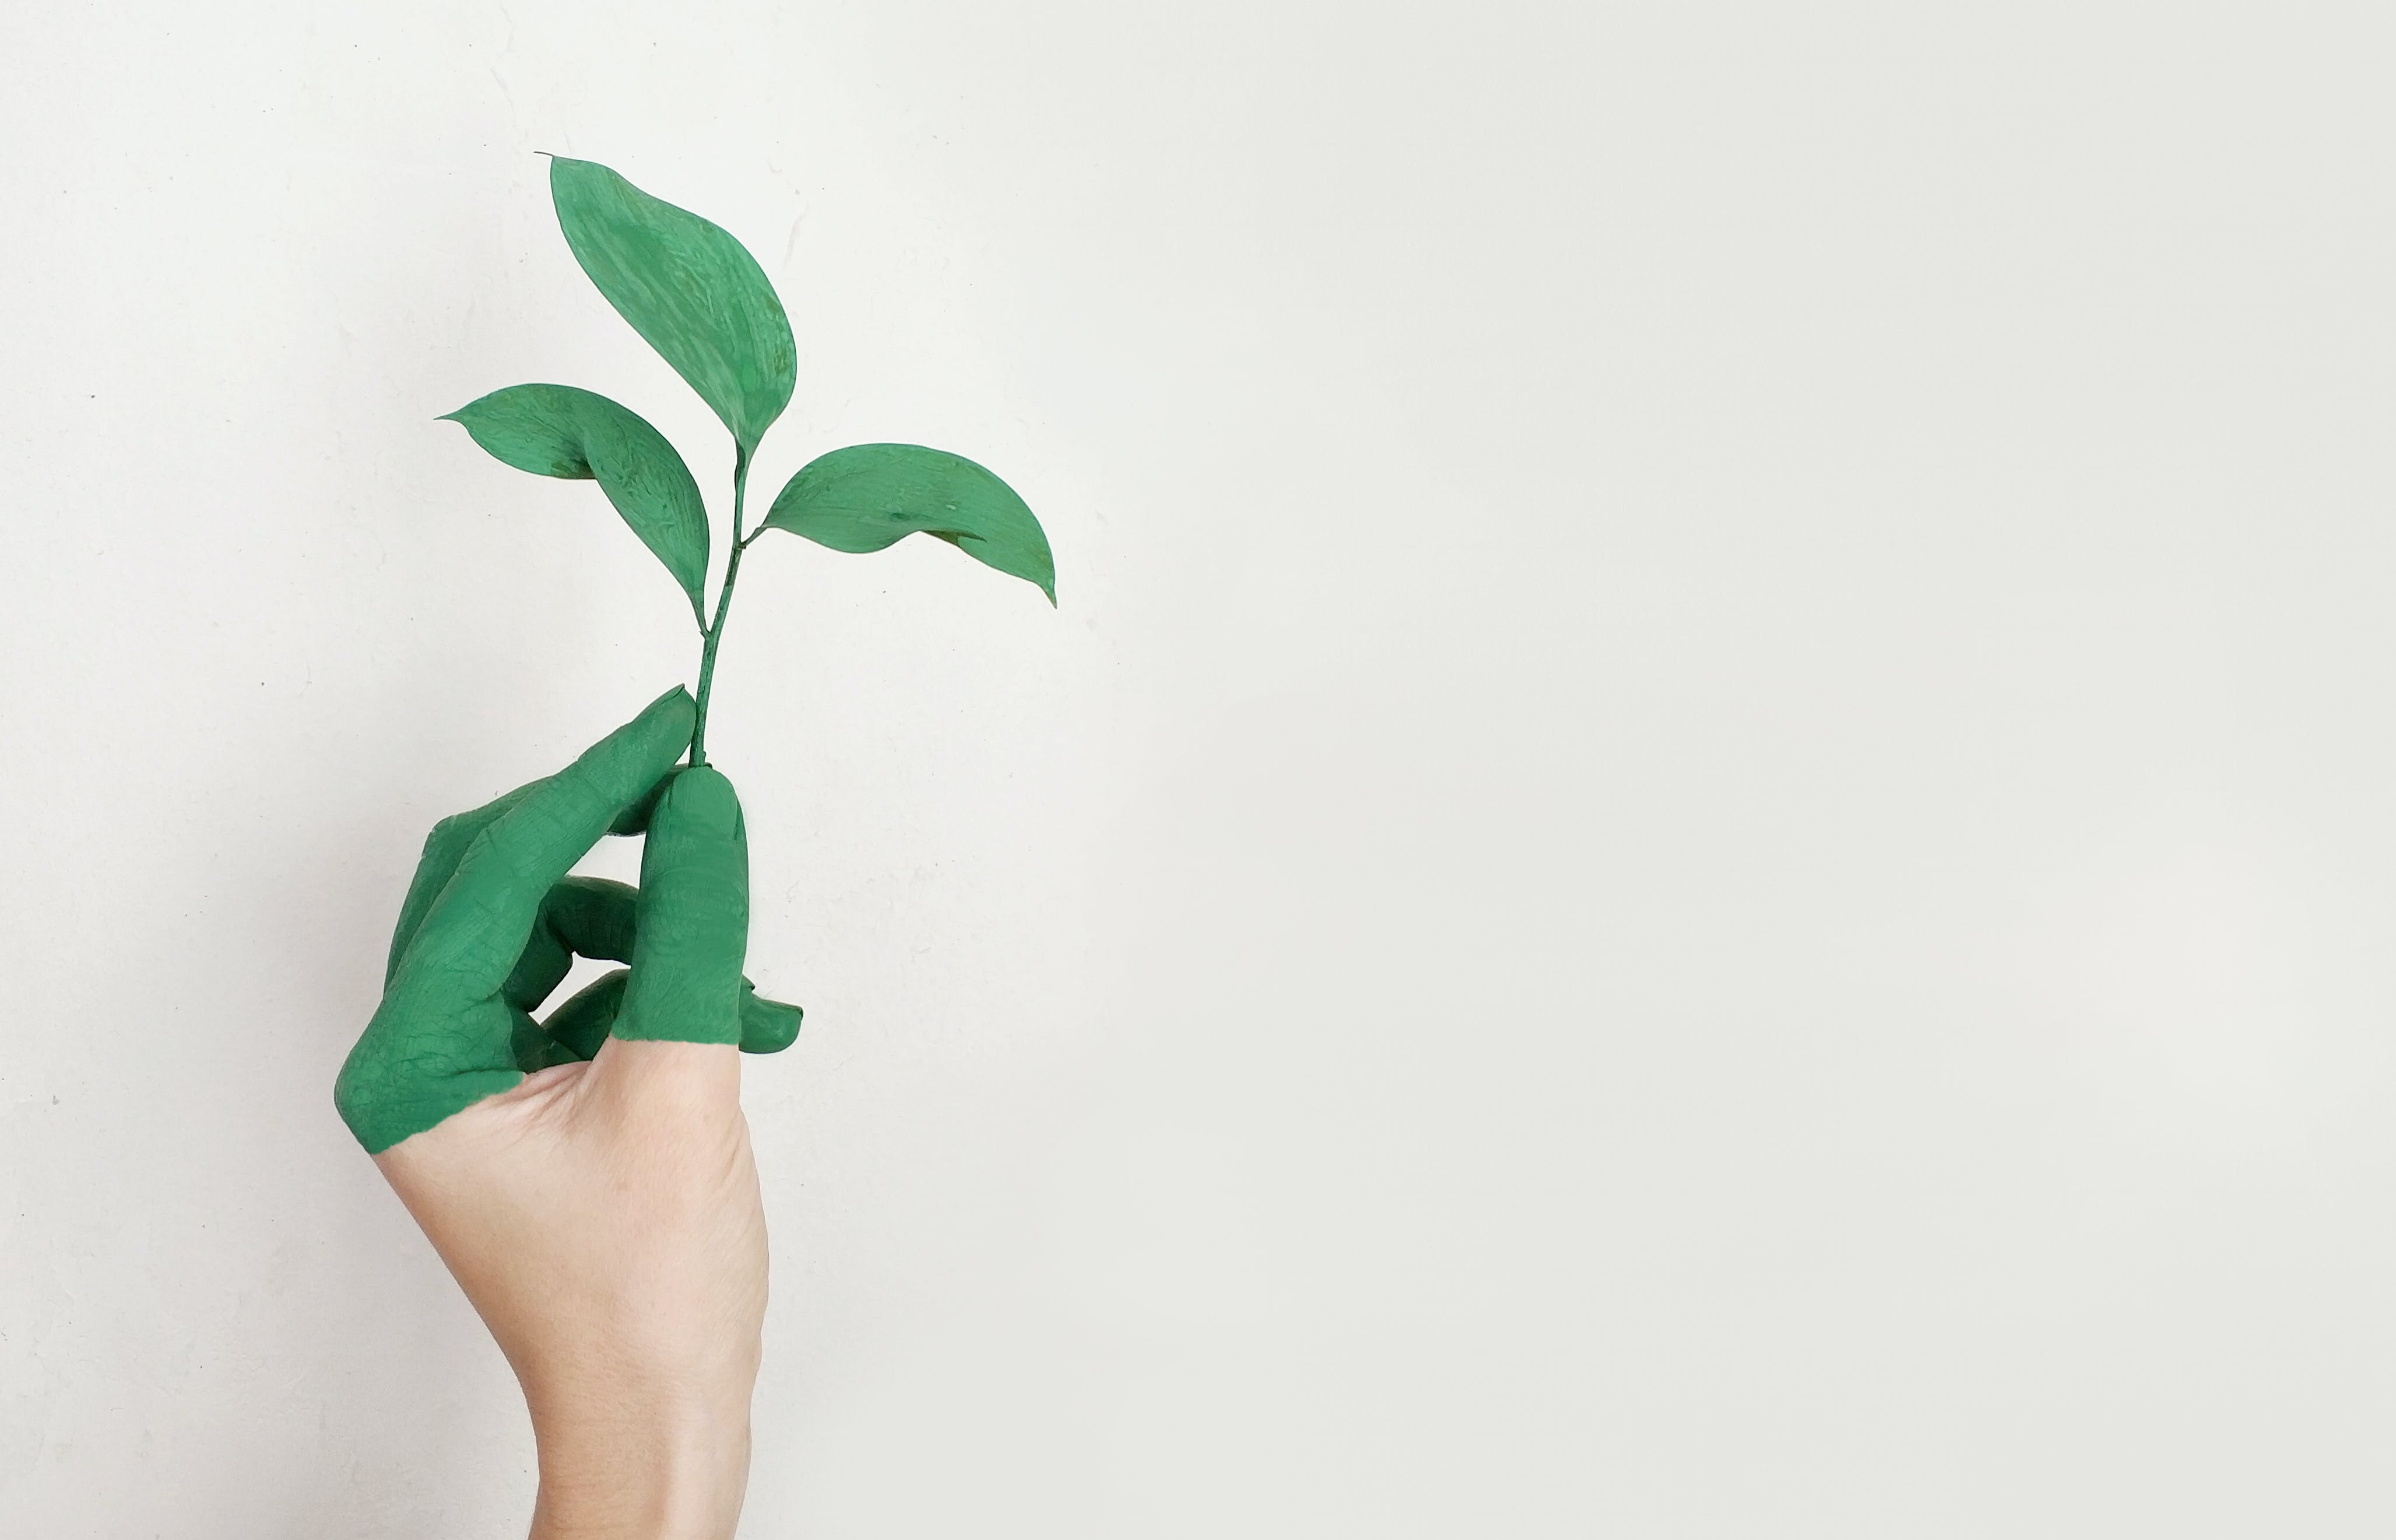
870	495
558	431
691	290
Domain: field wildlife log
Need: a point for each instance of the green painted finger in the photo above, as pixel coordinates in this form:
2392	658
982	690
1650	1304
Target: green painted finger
576	1029
592	917
443	848
534	1048
580	1025
580	917
446	847
444	1039
693	917
766	1026
478	927
635	819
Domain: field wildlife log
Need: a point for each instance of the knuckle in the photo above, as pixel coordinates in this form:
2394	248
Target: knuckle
442	833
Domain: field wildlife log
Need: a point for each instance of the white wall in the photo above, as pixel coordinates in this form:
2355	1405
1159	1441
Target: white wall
1705	849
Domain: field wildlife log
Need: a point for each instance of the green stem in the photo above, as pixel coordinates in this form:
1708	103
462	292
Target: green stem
714	630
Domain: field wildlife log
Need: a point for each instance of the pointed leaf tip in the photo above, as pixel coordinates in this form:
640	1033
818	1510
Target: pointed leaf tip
577	435
691	290
869	497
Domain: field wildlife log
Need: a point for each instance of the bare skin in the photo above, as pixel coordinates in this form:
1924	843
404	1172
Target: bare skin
588	1177
604	1219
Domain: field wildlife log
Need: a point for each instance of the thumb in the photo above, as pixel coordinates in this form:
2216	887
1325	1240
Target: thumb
691	928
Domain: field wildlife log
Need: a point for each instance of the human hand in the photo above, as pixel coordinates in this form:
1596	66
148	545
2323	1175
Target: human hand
588	1179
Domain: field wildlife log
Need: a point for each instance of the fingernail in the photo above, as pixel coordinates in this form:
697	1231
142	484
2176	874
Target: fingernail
677	690
704	801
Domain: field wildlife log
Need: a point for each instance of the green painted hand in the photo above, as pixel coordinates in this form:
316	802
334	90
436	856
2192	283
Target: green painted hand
491	924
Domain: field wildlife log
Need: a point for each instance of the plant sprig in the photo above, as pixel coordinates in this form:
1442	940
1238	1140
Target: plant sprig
698	297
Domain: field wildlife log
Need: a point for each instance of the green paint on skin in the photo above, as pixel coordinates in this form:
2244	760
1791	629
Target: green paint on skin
592	917
492	921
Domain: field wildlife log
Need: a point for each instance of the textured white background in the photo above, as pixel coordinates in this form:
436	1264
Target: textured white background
1706	848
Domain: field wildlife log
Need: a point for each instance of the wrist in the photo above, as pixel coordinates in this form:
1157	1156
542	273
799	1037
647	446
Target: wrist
614	1470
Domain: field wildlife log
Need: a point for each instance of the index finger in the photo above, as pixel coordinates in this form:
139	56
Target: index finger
477	928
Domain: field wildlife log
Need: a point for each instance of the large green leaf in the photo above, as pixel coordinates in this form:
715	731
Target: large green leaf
688	287
870	495
558	431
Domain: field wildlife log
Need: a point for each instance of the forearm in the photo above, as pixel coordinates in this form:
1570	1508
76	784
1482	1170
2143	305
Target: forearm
600	1205
631	1472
